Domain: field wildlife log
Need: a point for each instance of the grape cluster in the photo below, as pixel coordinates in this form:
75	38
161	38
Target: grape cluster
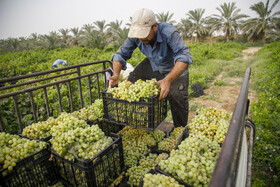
167	144
211	122
133	92
194	160
158	179
75	138
39	130
136	143
94	111
42	129
136	173
14	149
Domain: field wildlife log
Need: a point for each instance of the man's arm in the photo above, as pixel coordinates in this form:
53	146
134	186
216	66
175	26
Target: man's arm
119	59
114	80
165	83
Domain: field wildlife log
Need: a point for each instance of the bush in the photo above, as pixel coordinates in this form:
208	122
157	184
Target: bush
265	114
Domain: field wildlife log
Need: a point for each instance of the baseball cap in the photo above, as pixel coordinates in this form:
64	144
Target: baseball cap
142	21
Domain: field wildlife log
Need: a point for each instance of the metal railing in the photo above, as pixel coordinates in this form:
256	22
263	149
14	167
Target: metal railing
63	78
226	170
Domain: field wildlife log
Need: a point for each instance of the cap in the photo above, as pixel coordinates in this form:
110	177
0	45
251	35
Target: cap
142	21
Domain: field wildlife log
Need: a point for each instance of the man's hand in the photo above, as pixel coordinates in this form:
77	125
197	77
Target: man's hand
165	83
165	87
114	80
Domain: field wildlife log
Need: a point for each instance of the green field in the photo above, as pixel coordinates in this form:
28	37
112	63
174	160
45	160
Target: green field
210	59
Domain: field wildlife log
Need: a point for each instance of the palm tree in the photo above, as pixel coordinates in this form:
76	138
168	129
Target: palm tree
229	20
76	35
25	43
196	17
101	26
262	24
51	41
66	38
113	32
129	24
273	35
101	38
162	17
90	39
34	38
13	44
184	27
87	28
122	36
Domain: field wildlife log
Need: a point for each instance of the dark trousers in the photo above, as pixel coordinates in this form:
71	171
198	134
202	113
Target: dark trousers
178	94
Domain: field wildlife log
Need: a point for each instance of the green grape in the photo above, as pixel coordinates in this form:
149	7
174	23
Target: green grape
136	173
14	149
194	160
136	142
133	114
207	122
167	144
159	180
39	130
94	111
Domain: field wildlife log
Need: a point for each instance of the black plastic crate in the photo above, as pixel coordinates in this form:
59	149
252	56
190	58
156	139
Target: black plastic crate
146	114
35	170
45	139
153	171
101	170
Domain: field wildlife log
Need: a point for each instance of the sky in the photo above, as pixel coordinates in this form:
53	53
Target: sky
21	18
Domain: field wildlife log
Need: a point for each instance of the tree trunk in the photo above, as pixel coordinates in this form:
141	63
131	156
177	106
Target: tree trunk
227	35
263	37
198	37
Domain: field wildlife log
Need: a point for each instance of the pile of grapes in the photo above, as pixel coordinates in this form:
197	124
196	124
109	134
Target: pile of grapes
73	137
94	111
167	144
211	122
194	160
159	180
39	130
13	149
136	143
136	173
128	91
42	129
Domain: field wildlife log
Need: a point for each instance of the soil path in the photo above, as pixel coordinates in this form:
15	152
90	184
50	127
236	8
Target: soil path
225	97
222	97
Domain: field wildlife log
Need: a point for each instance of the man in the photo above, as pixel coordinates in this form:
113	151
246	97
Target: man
167	60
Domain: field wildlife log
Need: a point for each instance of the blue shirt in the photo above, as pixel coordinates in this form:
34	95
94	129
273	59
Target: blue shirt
167	50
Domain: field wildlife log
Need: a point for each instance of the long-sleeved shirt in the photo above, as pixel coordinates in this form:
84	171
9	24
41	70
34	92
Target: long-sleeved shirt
168	49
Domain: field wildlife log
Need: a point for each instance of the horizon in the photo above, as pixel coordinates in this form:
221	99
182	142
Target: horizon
21	18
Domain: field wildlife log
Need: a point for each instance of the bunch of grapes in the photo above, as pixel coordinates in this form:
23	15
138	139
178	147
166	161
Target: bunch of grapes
207	122
221	131
194	160
133	92
39	130
136	143
75	138
136	173
159	180
94	111
167	144
14	149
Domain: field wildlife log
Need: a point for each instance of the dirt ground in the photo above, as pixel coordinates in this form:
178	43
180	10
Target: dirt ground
222	97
